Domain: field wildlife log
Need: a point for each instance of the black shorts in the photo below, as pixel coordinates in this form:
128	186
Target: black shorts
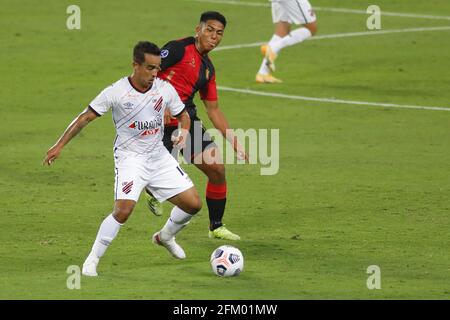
198	140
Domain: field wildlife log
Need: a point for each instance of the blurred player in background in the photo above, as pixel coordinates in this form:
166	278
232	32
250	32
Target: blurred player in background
141	160
284	14
186	65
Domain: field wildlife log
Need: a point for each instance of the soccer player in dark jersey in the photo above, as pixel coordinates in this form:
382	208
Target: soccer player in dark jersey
186	65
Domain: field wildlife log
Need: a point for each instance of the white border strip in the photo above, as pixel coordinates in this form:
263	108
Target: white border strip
342	10
342	35
328	100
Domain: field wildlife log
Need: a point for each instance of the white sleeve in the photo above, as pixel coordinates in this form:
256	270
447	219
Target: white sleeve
103	102
174	103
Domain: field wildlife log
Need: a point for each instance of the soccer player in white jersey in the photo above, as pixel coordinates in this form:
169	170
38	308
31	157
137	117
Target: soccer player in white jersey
141	160
284	14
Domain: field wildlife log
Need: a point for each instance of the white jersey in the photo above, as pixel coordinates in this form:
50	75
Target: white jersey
138	116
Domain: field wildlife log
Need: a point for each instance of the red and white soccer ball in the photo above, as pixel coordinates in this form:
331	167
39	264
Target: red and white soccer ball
227	261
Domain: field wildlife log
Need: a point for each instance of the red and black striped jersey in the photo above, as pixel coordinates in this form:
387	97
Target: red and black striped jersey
188	71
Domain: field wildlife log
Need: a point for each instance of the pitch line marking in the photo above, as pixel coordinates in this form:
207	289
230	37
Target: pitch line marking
342	35
330	100
329	9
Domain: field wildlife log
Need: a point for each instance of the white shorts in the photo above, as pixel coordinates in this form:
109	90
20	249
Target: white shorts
292	11
162	176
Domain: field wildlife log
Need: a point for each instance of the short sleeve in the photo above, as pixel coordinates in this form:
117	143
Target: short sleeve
103	102
209	91
171	53
174	103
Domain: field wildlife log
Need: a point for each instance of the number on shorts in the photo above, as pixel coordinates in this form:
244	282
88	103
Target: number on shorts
180	170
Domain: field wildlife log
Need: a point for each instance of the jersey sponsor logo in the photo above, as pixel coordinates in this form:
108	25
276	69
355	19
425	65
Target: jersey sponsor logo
150	132
127	186
147	125
164	53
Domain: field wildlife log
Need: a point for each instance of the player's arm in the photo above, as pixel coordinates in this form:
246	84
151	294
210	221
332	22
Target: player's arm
72	130
167	117
185	123
220	123
171	54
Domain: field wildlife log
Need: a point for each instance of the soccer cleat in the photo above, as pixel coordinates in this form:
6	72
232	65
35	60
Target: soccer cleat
173	247
223	233
268	53
264	49
266	78
153	205
90	267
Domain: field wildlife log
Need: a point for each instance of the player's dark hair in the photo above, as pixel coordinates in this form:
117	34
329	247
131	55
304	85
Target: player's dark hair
213	15
143	47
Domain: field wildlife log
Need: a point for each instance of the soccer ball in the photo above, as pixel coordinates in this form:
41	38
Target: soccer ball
227	261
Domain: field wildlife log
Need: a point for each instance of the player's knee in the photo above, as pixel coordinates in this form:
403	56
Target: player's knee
121	214
312	27
194	205
220	171
216	174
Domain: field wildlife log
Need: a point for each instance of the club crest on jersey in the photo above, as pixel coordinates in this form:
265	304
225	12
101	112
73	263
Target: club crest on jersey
127	186
158	104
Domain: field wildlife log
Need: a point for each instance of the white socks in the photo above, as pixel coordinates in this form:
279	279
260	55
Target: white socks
296	36
277	44
264	69
110	228
107	232
178	220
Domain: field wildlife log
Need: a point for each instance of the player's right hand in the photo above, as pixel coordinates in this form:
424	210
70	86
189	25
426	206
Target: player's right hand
179	140
52	154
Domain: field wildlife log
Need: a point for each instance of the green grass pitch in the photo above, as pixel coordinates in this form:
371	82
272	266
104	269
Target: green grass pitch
358	185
